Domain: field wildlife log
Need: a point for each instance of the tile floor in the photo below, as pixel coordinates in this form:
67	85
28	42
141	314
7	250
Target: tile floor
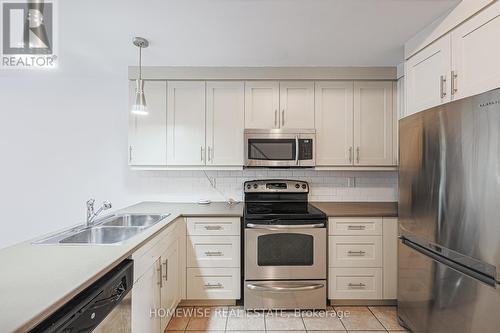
357	319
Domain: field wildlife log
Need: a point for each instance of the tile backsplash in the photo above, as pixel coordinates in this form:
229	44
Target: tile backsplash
192	186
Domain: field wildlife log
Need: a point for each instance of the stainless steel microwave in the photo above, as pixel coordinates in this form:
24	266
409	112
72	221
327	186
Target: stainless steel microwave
280	148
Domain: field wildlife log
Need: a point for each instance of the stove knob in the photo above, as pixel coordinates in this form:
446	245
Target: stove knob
255	186
304	186
248	186
297	185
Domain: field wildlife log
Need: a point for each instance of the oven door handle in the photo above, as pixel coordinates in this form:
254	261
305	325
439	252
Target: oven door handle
281	227
277	288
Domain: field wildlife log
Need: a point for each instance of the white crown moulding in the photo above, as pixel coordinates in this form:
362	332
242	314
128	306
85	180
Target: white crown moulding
263	73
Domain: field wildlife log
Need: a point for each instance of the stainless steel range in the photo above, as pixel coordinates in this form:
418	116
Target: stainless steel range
285	247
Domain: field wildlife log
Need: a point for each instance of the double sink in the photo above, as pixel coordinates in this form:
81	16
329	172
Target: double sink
108	230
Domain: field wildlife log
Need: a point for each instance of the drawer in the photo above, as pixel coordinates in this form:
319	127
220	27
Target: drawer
355	283
213	251
355	251
213	283
206	226
355	226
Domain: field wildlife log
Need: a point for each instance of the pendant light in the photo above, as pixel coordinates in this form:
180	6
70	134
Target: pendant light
140	107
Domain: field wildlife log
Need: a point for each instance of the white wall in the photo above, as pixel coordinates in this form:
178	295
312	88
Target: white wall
63	132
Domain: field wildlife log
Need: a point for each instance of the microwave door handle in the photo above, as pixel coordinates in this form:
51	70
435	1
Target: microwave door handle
296	150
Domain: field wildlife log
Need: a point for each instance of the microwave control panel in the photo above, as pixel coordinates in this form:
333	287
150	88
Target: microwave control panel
305	149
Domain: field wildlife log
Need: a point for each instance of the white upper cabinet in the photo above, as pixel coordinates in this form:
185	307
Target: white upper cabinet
186	123
262	104
334	123
273	104
296	104
373	123
476	53
225	123
428	76
148	133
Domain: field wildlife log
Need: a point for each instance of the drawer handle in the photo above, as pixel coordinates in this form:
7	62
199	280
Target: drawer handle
213	286
356	253
356	285
356	227
213	227
284	288
214	254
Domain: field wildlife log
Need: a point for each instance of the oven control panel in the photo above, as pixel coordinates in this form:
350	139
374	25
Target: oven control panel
276	185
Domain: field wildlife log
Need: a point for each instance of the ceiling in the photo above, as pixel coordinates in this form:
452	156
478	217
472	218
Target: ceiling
244	32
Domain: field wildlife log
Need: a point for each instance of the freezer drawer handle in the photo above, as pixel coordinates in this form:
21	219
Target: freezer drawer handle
213	227
213	253
356	253
356	227
356	285
213	286
279	226
277	288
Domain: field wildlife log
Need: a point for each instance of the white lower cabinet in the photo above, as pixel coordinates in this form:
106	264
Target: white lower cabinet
213	283
146	297
355	283
362	258
158	272
213	258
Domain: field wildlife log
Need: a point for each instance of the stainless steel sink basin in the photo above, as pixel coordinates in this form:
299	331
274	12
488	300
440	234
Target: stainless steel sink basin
108	230
102	235
132	220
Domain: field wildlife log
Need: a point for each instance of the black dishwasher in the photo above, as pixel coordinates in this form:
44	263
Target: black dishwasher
89	308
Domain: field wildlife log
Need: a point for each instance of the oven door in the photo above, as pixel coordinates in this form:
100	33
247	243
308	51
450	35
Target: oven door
273	253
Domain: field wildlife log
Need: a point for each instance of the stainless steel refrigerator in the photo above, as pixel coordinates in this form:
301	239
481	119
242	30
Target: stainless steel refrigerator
449	213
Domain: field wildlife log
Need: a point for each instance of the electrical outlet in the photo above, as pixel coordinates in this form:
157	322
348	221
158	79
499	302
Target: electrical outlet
351	181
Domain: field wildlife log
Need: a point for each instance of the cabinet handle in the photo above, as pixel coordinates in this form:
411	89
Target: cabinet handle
350	154
166	270
160	281
356	253
130	154
443	86
213	253
213	286
357	155
356	227
201	153
356	285
283	117
275	118
453	82
209	153
213	154
213	227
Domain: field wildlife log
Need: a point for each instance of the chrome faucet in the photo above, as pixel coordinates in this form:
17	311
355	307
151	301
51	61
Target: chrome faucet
91	214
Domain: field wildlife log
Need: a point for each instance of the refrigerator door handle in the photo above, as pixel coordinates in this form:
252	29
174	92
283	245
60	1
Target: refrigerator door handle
491	281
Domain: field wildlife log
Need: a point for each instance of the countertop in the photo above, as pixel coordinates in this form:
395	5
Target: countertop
358	209
37	279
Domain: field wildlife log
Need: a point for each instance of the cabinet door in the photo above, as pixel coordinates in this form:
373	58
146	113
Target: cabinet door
334	123
148	134
261	104
373	126
145	299
296	104
225	123
476	53
390	247
186	123
170	290
428	76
